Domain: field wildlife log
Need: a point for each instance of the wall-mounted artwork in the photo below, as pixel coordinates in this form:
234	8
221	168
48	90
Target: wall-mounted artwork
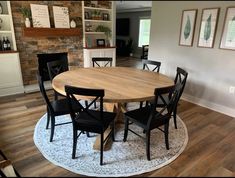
208	27
40	15
228	35
61	17
187	28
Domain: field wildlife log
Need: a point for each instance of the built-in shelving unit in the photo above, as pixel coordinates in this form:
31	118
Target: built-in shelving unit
96	13
10	71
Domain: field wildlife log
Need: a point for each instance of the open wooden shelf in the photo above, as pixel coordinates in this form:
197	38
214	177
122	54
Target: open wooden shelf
49	32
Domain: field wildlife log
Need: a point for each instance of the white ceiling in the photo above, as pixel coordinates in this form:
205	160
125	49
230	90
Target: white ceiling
133	5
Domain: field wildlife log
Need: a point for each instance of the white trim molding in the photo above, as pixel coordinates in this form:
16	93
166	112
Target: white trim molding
207	104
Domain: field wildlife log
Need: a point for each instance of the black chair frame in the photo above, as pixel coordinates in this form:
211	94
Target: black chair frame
92	116
108	60
153	118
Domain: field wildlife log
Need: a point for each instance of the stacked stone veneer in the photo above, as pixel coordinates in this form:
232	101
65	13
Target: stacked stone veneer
29	47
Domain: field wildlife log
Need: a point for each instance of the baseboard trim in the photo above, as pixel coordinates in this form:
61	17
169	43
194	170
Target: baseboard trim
11	91
207	104
35	87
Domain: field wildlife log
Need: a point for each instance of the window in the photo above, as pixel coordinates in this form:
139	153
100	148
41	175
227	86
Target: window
144	32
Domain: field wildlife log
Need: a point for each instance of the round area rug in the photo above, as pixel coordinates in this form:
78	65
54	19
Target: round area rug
123	159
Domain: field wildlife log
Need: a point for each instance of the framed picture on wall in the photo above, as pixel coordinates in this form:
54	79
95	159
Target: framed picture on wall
208	27
228	35
187	28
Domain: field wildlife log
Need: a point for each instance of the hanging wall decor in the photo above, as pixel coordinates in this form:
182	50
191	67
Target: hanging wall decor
228	36
208	27
187	28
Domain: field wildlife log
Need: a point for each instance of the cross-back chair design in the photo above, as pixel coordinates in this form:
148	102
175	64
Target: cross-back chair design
148	118
180	78
107	61
146	65
54	108
55	68
6	167
88	120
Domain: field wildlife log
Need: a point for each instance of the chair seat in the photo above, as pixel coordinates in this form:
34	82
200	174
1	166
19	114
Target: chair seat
87	122
61	107
141	115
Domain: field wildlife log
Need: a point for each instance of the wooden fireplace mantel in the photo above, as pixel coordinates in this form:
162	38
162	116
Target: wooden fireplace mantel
50	32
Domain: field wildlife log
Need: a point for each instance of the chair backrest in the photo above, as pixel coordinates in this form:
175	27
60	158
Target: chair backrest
181	77
96	96
105	60
57	67
43	91
145	49
156	65
166	111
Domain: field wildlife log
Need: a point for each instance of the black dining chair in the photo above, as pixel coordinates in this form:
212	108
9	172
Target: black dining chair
88	120
101	62
148	118
54	108
180	78
55	68
105	61
147	64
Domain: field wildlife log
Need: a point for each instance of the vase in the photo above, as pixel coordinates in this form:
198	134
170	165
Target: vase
72	24
27	22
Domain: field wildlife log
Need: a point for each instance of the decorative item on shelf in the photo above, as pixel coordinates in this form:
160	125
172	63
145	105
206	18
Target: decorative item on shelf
27	15
88	27
93	5
105	16
73	23
61	17
100	42
40	16
106	30
87	15
88	42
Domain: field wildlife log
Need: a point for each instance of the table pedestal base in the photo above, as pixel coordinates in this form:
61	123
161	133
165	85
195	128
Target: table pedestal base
118	108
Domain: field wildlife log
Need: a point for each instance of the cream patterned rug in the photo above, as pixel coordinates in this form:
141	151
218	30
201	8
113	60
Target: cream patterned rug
123	159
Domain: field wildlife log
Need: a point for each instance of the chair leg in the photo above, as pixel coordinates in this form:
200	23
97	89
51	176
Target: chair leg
74	143
166	128
48	118
101	148
126	128
148	144
113	131
141	104
174	115
52	127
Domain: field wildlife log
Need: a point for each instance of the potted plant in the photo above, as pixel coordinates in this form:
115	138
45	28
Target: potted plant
26	14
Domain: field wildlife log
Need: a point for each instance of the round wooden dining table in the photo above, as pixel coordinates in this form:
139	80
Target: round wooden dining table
121	85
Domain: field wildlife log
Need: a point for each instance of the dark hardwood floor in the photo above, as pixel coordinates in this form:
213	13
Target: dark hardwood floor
210	150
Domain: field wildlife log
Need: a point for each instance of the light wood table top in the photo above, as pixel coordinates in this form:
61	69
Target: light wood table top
121	84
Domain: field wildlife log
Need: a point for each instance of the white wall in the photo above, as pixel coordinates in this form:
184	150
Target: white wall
134	28
211	71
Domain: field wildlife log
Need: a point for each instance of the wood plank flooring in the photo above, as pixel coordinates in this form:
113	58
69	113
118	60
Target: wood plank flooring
210	150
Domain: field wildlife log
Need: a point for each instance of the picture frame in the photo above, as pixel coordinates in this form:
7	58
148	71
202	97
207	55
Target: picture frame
40	16
187	27
100	42
227	40
208	27
61	17
105	16
87	15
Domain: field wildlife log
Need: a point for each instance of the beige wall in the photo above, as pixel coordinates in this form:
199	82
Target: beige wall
211	71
